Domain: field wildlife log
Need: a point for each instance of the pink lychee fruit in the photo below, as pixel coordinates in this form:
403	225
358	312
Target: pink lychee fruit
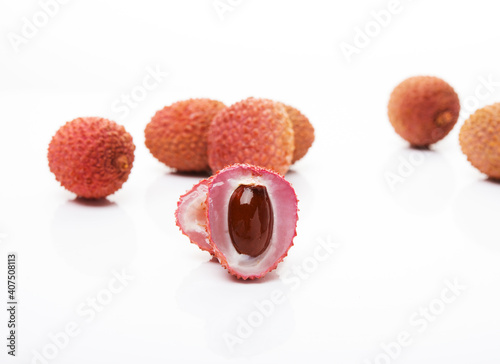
177	134
254	131
91	156
246	214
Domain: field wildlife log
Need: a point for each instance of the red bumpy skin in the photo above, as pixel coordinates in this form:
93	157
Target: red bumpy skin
303	132
177	134
423	110
203	215
91	156
480	140
254	131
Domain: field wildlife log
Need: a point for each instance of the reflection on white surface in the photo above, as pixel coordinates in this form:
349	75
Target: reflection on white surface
242	319
93	237
477	212
420	180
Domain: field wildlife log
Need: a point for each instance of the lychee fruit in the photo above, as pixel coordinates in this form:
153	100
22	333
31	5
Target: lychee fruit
303	132
249	218
423	110
480	140
91	156
177	134
254	131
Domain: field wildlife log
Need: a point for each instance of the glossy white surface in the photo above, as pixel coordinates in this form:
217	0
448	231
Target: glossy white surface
367	257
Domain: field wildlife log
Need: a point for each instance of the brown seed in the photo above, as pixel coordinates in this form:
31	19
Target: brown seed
250	219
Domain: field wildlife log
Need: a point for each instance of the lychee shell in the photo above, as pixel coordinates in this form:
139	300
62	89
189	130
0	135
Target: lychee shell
191	215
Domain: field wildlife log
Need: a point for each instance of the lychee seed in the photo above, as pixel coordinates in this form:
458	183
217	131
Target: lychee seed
250	219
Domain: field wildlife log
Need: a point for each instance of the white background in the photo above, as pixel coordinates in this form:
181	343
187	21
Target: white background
394	248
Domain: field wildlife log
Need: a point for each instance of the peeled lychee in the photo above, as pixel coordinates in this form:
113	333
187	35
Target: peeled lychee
254	131
423	110
480	140
177	134
249	218
91	156
303	132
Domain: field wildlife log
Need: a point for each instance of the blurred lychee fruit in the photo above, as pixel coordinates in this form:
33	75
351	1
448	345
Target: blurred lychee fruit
423	110
254	131
91	156
480	140
303	132
177	134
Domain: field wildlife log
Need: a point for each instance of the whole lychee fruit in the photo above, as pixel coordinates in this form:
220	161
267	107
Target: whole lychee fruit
480	140
91	156
303	132
254	131
177	134
246	216
423	110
